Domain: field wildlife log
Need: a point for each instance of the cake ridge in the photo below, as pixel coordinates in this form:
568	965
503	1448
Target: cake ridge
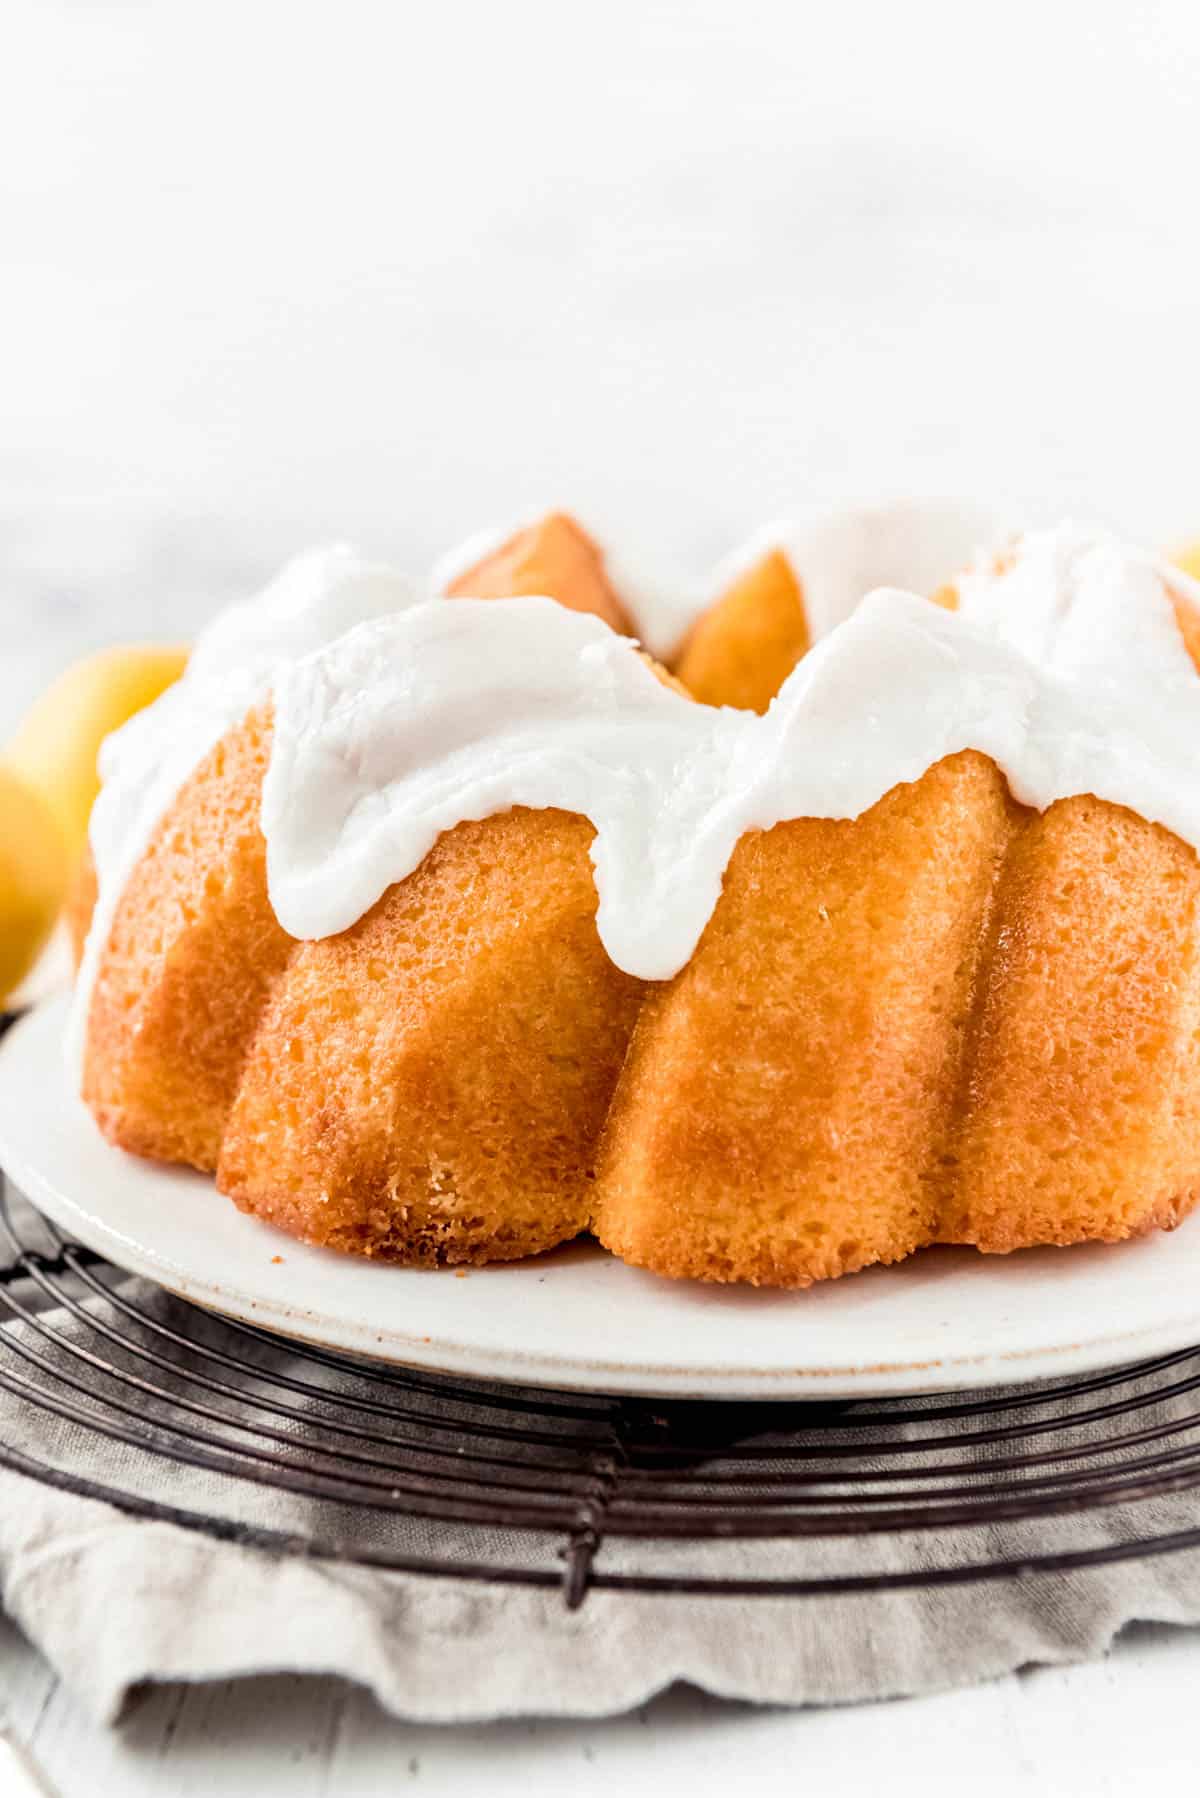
940	998
396	731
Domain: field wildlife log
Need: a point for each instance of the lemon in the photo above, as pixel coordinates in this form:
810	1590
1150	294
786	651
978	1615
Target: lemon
34	870
1188	558
55	749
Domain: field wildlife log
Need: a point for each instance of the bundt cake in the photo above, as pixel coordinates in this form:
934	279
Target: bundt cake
443	932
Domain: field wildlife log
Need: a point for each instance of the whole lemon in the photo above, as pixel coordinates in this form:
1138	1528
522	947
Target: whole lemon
56	745
34	870
1188	558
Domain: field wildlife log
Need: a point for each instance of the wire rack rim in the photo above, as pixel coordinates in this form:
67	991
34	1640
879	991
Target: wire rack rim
573	1473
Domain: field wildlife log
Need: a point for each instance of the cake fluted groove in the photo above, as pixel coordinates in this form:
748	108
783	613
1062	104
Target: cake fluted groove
428	1086
190	958
942	1170
909	1013
1075	1130
785	1095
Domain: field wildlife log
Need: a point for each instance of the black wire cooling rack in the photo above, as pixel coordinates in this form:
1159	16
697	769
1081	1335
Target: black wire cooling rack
111	1390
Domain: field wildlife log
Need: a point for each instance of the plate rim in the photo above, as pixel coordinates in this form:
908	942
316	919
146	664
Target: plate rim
559	1371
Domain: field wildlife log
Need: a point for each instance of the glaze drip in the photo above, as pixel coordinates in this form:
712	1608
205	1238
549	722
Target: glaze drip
314	598
1068	670
398	716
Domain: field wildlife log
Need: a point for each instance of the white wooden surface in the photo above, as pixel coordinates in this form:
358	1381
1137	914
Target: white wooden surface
1123	1727
273	272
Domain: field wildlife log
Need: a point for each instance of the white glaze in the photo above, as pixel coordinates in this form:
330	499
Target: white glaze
838	556
464	556
1069	672
398	716
916	545
662	606
315	598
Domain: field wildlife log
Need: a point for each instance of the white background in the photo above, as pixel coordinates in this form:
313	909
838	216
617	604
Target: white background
271	273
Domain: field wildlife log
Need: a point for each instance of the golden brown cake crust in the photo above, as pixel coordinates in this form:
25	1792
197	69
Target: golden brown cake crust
784	1096
192	955
1079	1120
957	1021
948	1020
743	648
554	557
430	1086
951	1019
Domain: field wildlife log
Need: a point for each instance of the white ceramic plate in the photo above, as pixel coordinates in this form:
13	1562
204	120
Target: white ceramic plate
578	1319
